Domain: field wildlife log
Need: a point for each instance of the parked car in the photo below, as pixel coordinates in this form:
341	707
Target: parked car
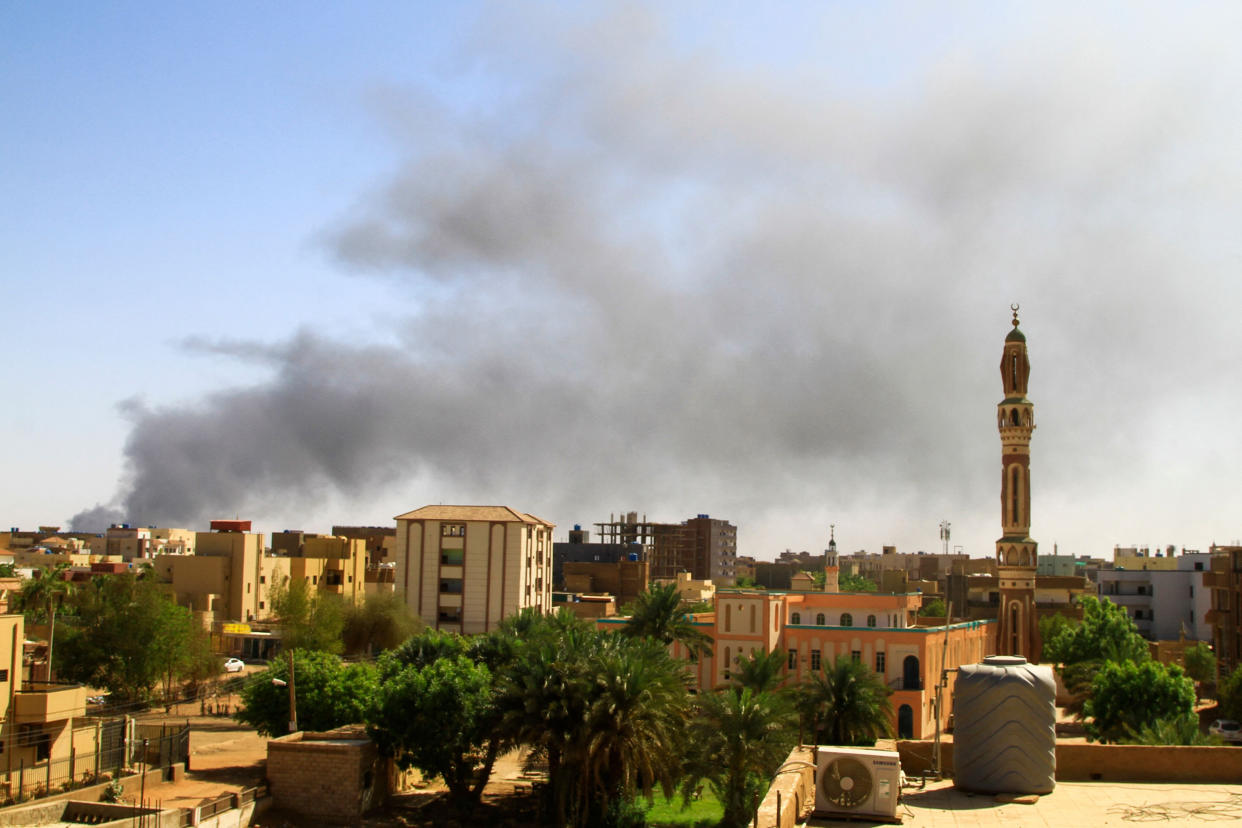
234	665
1227	729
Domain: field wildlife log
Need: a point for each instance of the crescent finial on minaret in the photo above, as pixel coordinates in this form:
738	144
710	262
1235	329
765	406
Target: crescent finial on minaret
1014	308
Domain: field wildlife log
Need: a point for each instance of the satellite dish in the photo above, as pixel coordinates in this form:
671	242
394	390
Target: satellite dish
846	782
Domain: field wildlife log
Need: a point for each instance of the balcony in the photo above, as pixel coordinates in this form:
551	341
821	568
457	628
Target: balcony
41	701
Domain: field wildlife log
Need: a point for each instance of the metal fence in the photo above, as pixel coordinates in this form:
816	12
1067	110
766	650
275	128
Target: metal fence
113	758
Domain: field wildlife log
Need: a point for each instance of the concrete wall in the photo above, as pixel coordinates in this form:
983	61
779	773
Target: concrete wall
792	792
1078	762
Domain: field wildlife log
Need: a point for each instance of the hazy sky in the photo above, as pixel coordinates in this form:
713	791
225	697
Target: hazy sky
316	263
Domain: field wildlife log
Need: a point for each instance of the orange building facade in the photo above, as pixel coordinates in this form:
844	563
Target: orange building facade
814	628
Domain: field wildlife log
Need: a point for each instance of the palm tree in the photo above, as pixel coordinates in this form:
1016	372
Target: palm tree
738	740
632	738
658	615
760	672
46	592
846	704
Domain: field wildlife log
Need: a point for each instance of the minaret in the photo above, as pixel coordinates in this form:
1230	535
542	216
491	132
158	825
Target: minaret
1015	551
832	572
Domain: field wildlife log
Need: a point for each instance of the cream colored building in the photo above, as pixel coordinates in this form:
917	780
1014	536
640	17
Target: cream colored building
464	568
40	723
124	542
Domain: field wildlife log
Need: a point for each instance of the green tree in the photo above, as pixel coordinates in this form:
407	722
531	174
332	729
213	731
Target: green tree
126	634
441	719
1126	695
180	648
329	694
760	672
382	622
309	619
8	570
845	703
1229	695
1050	626
1200	663
1106	633
934	608
737	741
632	738
608	712
746	582
41	596
1183	730
851	582
658	614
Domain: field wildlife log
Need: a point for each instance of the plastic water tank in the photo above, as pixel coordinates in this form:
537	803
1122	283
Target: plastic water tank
1004	733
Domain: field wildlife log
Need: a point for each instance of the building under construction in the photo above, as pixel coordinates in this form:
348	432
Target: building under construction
702	546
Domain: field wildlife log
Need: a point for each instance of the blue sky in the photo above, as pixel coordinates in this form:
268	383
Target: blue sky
724	259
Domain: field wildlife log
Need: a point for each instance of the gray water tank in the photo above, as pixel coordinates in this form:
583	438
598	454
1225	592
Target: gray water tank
1004	732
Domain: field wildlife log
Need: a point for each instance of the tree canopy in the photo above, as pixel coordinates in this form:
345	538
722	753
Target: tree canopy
851	582
738	738
125	633
1106	633
845	703
1126	695
658	614
308	618
330	694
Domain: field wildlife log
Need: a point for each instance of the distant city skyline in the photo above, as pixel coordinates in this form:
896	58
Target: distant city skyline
323	265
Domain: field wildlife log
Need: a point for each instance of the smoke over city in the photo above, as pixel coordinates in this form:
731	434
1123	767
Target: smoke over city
646	277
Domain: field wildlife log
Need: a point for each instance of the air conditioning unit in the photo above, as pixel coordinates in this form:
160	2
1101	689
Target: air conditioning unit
857	781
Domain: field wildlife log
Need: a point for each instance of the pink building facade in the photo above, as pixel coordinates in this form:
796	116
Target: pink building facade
814	628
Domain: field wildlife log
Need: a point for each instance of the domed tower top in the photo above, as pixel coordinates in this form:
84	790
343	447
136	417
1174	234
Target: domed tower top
1015	367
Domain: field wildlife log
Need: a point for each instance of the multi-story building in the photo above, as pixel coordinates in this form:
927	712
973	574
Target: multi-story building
224	580
465	568
40	723
325	563
814	628
1225	582
379	541
705	547
1164	604
1141	558
124	542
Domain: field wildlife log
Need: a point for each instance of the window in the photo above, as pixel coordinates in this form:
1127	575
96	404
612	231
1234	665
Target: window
870	620
856	656
451	557
263	579
814	659
452	530
879	663
452	586
262	605
793	659
820	620
847	620
796	618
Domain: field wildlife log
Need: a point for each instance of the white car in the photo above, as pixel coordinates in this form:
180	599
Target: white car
1227	729
234	665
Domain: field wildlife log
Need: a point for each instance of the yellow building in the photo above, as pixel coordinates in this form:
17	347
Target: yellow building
40	723
1140	559
464	568
329	564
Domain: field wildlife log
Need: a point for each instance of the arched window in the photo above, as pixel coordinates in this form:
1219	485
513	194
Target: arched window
847	620
1013	497
820	620
728	617
870	620
1013	417
796	618
752	618
726	663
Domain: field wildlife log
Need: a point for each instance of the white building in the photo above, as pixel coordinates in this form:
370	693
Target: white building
1164	603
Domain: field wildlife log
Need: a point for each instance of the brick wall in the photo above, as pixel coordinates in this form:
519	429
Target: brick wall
331	776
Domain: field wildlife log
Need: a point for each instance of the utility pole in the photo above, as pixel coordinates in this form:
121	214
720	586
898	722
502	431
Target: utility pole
293	699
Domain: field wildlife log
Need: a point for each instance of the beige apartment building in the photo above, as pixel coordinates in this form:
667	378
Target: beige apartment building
464	568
